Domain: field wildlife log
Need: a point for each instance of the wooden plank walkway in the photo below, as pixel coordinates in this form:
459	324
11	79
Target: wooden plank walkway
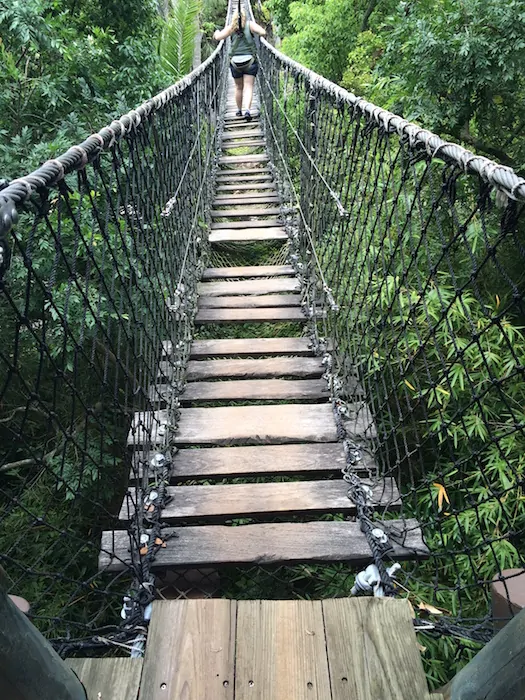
255	407
341	649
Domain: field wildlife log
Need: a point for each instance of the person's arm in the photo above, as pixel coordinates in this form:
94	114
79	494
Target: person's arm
220	34
257	29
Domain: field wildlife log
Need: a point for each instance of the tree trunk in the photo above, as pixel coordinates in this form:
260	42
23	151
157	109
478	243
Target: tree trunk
372	4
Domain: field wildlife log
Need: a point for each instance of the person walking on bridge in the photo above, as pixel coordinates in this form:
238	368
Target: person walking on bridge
243	59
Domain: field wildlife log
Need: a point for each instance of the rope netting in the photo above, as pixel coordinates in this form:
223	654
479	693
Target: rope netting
412	255
106	245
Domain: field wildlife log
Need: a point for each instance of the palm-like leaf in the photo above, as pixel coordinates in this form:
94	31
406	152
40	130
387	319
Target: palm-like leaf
178	37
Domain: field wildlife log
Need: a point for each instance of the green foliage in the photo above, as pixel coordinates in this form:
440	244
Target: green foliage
461	68
177	42
69	68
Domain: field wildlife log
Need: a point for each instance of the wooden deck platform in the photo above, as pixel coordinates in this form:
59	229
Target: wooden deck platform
341	649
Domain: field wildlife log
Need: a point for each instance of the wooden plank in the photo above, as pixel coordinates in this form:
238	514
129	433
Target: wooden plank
256	390
212	273
109	679
245	199
282	460
250	302
255	187
190	651
251	346
266	543
243	287
372	649
242	143
266	500
242	133
256	425
245	174
248	211
281	652
265	315
233	160
304	367
248	234
258	223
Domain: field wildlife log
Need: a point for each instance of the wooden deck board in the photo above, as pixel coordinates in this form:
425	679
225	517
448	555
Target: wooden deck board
190	651
242	187
265	500
217	273
256	390
279	460
269	233
245	315
251	346
310	367
266	543
372	650
233	160
250	425
256	425
250	302
246	223
242	287
248	211
281	653
246	199
108	679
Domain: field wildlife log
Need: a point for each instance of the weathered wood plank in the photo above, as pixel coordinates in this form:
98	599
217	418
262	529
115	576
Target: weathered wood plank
243	287
254	187
257	223
233	160
244	174
213	273
247	199
269	233
266	543
190	651
250	346
248	211
237	425
265	315
372	649
242	133
256	390
256	425
250	302
109	679
305	368
283	460
265	500
242	143
281	652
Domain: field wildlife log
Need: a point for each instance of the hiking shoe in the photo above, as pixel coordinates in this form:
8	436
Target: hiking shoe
248	116
238	113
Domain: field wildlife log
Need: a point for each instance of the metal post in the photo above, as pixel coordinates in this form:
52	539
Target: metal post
30	669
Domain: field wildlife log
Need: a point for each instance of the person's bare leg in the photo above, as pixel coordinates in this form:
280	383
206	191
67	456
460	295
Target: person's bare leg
239	84
248	91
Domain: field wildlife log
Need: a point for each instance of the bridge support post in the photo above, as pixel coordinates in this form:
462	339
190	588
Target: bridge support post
497	672
30	669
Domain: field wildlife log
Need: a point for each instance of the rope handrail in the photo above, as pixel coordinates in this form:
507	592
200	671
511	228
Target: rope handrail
500	176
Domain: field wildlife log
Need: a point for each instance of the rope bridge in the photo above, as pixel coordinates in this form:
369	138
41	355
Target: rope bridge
383	268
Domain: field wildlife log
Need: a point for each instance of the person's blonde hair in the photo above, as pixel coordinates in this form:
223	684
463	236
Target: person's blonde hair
235	19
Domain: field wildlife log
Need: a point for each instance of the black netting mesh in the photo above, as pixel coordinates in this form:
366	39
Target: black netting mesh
412	254
108	247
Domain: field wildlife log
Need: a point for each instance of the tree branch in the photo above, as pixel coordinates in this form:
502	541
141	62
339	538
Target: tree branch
372	4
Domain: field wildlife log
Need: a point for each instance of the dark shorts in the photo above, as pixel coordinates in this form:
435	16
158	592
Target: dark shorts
239	71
